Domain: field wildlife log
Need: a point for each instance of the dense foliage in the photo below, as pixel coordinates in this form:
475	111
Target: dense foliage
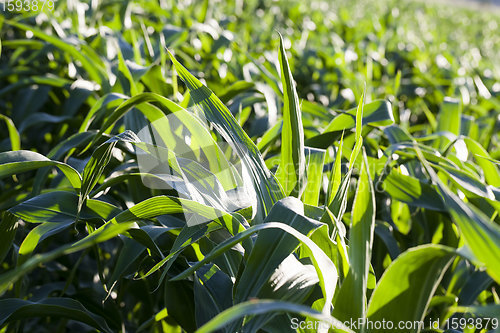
171	166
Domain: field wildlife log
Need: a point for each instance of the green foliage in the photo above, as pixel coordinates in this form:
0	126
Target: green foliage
291	171
346	167
407	286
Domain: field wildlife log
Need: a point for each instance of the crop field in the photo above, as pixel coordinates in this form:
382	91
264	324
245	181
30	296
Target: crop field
249	166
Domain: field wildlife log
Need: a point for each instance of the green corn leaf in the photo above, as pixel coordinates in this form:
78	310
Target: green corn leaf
235	89
376	113
13	309
15	139
487	311
270	136
47	80
272	247
124	221
94	169
449	116
359	128
130	87
262	306
160	123
490	168
93	68
8	228
98	161
133	250
151	114
56	211
324	140
396	134
291	171
385	232
57	153
291	281
38	234
102	234
179	301
216	180
407	286
101	108
338	205
480	234
143	237
212	293
61	207
449	119
186	238
351	300
126	176
336	175
315	159
41	118
156	206
14	162
161	205
325	269
65	147
412	191
468	182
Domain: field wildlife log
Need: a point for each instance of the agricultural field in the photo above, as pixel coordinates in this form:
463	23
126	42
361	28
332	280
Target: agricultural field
249	166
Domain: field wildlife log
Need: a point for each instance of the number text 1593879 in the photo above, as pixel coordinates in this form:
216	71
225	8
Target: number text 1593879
27	5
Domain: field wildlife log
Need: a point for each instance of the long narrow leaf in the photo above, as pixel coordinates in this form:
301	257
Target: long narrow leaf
351	300
256	307
17	309
14	162
291	171
15	139
407	286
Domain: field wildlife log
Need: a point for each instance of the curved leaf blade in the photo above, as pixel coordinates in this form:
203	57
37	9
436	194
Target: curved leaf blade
14	162
17	309
407	286
256	307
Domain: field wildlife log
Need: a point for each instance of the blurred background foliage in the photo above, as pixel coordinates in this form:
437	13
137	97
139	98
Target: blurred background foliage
430	70
438	50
